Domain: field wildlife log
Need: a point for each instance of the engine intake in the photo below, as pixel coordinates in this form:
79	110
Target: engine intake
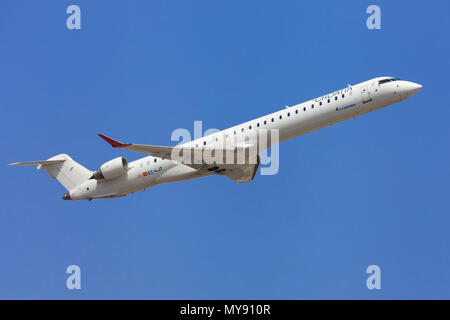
111	169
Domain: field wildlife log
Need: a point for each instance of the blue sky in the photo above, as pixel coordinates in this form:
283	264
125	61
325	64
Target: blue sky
370	191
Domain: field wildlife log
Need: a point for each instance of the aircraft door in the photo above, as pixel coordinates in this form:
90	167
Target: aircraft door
365	94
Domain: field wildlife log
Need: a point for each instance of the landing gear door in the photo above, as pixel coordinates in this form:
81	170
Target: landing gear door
365	95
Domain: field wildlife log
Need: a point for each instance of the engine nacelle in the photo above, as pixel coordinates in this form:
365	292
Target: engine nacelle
111	169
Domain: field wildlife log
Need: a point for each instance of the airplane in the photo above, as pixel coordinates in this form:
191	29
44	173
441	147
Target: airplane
118	177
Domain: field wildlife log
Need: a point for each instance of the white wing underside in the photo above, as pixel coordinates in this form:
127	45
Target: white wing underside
239	171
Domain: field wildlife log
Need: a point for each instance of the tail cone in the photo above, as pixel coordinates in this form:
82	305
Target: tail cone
66	196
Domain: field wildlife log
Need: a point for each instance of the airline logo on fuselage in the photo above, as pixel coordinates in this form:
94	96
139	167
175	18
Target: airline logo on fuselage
336	93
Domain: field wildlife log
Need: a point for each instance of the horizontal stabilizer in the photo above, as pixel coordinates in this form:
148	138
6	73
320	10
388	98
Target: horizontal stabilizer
63	168
43	162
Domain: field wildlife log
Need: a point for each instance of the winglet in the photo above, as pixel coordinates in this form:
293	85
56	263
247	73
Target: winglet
112	142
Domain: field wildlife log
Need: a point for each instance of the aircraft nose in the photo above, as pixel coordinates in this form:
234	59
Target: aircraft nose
410	88
66	196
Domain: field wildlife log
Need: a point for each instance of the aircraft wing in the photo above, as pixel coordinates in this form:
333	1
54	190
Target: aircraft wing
239	172
157	151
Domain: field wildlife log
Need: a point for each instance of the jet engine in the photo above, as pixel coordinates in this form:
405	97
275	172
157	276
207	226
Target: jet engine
111	169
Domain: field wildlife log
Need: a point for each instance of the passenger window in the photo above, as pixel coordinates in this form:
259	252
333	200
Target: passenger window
154	160
257	125
320	103
328	100
343	95
312	106
204	143
234	132
265	121
335	98
296	111
289	114
304	108
249	127
242	130
280	117
272	119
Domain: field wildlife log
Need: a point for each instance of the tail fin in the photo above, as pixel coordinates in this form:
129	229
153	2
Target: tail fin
68	172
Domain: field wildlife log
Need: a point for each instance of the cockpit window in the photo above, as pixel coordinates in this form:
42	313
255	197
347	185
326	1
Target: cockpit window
387	80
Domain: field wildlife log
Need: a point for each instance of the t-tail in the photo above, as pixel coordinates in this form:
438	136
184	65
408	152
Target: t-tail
64	169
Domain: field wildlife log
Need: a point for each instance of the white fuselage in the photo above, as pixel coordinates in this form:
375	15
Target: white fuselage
291	122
